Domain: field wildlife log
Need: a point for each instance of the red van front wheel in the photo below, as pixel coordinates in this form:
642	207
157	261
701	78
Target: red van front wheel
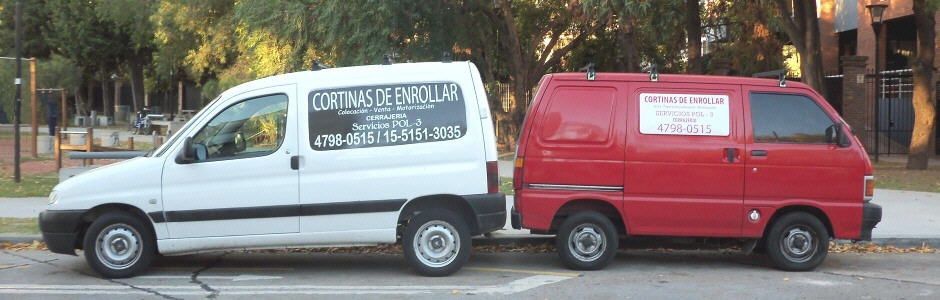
797	242
587	241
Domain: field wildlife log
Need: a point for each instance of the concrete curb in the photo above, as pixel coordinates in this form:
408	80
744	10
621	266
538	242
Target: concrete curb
681	243
20	238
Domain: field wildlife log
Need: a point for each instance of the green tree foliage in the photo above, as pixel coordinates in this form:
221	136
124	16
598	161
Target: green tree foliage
221	43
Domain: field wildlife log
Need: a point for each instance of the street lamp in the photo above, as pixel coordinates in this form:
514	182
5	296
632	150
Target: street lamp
876	9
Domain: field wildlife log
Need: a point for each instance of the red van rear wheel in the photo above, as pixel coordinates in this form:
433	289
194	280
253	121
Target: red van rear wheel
797	242
587	241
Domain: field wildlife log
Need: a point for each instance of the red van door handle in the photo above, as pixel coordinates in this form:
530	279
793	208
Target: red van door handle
730	154
758	152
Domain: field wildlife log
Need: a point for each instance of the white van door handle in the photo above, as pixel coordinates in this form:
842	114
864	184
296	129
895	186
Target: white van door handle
295	162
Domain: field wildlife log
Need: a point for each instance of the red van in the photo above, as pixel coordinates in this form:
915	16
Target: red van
623	155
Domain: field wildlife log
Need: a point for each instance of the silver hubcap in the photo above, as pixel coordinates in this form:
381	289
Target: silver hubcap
118	246
586	242
798	244
437	244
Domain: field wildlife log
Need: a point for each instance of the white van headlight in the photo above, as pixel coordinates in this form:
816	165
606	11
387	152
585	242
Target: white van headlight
53	198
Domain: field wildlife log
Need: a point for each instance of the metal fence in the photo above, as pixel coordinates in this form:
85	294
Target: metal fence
894	112
890	122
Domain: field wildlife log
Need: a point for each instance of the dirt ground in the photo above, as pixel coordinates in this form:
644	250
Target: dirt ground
32	166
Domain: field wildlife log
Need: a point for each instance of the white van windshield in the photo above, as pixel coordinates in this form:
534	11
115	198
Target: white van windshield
195	119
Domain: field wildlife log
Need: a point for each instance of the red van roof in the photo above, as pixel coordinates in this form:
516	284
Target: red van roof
678	78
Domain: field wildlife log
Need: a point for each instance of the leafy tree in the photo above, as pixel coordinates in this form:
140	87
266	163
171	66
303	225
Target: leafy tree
534	37
799	20
130	21
735	32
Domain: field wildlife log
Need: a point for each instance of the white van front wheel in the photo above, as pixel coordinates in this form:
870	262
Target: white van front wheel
437	242
118	245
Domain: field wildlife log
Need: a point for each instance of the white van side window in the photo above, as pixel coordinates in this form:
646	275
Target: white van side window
386	115
251	128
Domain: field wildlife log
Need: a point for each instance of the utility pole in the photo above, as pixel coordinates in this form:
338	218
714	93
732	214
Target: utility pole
17	102
33	106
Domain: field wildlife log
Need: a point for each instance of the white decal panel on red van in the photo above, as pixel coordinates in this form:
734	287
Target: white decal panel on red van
684	114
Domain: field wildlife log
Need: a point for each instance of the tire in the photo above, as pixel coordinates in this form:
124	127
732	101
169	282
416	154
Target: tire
786	243
436	242
587	241
132	248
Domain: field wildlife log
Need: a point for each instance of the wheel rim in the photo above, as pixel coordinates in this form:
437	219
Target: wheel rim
586	242
118	246
437	243
798	243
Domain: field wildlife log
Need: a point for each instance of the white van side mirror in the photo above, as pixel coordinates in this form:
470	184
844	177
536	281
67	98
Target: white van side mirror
192	152
187	155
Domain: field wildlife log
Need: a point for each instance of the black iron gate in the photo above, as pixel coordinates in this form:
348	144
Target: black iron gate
891	111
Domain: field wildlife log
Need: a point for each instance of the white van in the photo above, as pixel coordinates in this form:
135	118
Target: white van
336	157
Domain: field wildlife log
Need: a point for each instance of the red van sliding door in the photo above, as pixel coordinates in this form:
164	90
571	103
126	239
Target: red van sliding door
684	174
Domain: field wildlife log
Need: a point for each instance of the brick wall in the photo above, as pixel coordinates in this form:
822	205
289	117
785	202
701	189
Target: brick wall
854	96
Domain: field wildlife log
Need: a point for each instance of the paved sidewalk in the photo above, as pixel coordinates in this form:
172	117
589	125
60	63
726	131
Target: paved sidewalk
910	218
28	207
907	214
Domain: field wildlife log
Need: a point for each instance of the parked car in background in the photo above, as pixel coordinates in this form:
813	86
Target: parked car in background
629	155
381	154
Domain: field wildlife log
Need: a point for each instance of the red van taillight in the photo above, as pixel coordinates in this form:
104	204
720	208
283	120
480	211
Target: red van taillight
517	173
869	188
492	177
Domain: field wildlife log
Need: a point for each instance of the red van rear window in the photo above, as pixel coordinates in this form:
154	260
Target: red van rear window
579	115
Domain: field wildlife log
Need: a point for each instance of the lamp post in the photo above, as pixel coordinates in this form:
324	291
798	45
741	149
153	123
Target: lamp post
17	101
876	9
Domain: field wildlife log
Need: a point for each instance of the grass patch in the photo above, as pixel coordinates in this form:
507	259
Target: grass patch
505	186
895	176
30	186
19	226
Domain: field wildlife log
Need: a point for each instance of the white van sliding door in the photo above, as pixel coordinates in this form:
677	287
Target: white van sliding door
244	183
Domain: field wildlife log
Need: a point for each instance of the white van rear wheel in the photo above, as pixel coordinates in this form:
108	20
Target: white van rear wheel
436	242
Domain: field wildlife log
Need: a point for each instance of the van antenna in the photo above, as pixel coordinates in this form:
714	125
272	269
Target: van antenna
654	73
447	57
589	69
781	75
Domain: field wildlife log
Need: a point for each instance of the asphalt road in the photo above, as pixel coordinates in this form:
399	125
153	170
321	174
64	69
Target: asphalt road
636	274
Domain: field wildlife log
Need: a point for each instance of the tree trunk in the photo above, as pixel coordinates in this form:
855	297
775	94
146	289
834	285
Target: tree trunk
105	98
693	31
811	55
800	22
925	111
628	60
137	82
90	90
79	102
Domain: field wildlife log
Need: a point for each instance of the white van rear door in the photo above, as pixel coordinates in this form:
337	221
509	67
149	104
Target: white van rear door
372	141
246	184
